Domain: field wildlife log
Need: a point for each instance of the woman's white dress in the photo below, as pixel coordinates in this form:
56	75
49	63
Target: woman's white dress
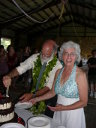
67	95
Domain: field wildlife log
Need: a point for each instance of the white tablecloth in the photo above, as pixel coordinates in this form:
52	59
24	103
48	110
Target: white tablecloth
25	115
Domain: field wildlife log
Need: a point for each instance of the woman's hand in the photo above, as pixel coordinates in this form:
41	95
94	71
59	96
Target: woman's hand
58	107
26	97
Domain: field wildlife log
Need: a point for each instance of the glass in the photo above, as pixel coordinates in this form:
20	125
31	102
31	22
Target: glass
72	54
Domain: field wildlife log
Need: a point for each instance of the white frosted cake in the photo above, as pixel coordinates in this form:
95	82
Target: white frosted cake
6	110
39	122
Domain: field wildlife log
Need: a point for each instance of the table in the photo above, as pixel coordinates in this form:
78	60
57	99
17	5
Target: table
25	115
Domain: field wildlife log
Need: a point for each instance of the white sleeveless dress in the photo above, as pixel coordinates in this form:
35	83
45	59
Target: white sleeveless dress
67	95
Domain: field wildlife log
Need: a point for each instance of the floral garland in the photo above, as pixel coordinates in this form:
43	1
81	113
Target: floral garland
40	107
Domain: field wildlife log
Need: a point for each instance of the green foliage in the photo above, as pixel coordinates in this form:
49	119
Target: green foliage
40	107
36	71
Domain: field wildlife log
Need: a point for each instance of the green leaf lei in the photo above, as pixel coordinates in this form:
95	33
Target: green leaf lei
40	107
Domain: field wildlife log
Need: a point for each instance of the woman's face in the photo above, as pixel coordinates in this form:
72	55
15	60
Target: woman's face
69	56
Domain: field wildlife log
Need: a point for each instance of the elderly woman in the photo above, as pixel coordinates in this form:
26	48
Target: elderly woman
70	84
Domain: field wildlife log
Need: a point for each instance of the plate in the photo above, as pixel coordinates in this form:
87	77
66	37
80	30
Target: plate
12	125
39	122
23	105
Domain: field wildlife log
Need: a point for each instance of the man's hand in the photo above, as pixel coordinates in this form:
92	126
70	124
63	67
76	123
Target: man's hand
34	100
6	81
26	97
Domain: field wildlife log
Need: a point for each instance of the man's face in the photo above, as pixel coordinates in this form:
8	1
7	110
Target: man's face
46	52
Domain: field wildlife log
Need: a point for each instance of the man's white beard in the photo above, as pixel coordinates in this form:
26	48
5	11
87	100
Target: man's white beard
45	59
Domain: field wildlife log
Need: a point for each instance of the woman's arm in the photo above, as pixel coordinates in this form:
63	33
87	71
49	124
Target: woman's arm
83	91
81	81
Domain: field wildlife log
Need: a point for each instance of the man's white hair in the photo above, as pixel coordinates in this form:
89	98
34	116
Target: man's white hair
70	44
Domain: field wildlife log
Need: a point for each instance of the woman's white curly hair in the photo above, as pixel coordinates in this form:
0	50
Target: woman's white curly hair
70	44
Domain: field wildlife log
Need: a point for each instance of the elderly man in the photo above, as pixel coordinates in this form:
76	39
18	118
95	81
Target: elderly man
44	84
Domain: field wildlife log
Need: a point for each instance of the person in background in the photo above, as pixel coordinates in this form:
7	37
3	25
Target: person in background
27	53
3	61
3	67
19	53
60	59
70	84
12	57
27	76
48	56
92	74
36	50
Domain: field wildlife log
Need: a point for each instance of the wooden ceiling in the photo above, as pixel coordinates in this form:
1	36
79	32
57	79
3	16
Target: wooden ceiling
32	16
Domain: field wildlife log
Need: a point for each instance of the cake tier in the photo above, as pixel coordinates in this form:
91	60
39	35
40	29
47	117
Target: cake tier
7	117
6	109
14	119
5	103
5	100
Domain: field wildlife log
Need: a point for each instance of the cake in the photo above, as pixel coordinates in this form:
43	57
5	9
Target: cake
6	110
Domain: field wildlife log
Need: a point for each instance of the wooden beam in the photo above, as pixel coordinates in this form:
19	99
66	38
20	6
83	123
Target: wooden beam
37	9
75	15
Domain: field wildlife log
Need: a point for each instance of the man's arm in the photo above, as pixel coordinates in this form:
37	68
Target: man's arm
24	66
13	73
27	96
42	91
8	77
